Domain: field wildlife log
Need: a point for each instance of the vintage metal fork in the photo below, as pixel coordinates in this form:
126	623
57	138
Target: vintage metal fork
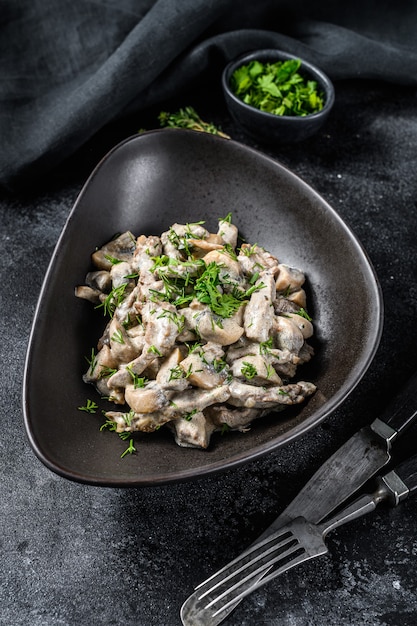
291	545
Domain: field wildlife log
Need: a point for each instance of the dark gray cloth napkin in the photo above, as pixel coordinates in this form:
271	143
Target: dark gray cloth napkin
68	68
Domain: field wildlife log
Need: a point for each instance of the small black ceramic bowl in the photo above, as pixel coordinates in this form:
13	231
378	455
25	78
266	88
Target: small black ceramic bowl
268	127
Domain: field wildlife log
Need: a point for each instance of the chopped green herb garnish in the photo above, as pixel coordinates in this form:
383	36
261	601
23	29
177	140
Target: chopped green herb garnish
225	428
154	350
219	365
174	317
113	300
227	219
175	373
138	381
118	336
303	313
112	259
92	360
112	426
106	372
108	425
278	88
189	416
207	291
128	417
269	370
207	283
193	347
248	370
265	347
130	450
249	250
90	407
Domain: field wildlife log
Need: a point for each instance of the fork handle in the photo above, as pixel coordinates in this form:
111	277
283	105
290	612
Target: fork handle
393	487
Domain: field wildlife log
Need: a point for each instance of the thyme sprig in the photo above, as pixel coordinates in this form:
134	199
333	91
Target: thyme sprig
188	117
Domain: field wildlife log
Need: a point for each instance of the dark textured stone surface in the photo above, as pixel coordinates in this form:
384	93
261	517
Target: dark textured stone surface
79	555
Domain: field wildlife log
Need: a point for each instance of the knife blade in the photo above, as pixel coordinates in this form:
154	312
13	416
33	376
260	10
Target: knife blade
300	541
348	469
354	463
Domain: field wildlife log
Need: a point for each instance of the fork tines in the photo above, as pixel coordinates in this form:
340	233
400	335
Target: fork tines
228	585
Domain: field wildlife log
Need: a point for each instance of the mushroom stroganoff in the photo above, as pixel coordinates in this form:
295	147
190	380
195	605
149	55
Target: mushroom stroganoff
203	335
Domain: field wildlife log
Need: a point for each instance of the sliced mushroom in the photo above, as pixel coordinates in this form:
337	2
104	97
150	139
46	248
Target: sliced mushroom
100	280
229	268
170	376
228	233
219	330
180	405
124	347
253	259
203	371
119	274
251	396
136	367
287	336
88	293
194	432
284	305
259	313
303	324
255	369
202	246
236	418
176	240
147	399
121	248
146	249
289	278
101	365
299	298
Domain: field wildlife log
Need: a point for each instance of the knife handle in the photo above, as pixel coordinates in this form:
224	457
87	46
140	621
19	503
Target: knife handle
402	411
407	472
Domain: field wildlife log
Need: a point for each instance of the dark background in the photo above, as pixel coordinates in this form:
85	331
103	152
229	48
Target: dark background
78	555
74	554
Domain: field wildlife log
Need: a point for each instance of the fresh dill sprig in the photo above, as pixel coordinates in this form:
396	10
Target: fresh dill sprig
189	416
129	450
248	370
118	336
92	360
89	407
113	300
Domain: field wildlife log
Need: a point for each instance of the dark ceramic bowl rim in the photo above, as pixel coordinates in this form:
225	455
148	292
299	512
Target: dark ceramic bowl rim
279	55
58	432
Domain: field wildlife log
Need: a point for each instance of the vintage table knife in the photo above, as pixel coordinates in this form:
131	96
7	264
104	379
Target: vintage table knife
355	462
297	542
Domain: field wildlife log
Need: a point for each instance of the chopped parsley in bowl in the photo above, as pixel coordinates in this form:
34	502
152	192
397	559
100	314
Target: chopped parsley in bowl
276	97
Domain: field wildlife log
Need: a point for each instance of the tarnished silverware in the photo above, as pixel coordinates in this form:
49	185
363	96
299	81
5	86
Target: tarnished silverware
340	476
295	543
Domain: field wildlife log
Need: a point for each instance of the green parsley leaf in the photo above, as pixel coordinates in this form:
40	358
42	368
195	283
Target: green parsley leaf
278	88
